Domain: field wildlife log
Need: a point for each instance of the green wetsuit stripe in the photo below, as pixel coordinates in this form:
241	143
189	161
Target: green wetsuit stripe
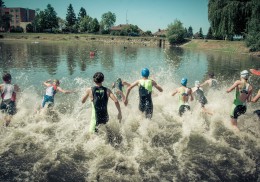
93	121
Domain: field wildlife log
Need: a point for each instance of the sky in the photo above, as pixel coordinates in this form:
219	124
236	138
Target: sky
146	14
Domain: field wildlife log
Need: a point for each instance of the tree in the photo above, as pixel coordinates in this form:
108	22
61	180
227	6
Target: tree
61	23
209	34
84	24
229	18
39	22
190	32
70	18
51	18
82	13
107	21
94	26
253	29
29	28
175	33
4	18
201	33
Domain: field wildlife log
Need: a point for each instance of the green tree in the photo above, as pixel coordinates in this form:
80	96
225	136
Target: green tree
82	13
107	21
175	33
61	23
229	18
71	19
209	34
29	28
4	18
190	32
39	22
84	24
51	18
201	33
94	26
253	29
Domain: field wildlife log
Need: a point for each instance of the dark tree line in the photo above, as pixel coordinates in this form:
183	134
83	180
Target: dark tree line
4	19
235	17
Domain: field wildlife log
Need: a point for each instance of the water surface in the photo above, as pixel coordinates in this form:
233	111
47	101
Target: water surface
58	147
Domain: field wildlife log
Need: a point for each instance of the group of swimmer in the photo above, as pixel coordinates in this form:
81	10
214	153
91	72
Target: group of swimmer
99	95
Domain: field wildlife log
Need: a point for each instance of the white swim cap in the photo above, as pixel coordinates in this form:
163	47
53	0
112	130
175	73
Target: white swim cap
197	83
244	74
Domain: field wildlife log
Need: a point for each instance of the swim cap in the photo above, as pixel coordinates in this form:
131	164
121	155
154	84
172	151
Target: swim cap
197	83
119	80
244	74
211	75
7	77
145	72
184	81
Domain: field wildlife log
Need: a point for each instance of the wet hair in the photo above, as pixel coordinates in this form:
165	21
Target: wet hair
211	75
98	77
7	77
56	81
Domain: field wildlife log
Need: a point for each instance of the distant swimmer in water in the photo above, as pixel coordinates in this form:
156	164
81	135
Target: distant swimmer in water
117	87
211	82
200	97
184	94
145	93
255	99
51	90
8	95
99	96
243	93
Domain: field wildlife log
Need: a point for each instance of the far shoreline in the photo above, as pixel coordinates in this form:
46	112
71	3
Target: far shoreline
238	47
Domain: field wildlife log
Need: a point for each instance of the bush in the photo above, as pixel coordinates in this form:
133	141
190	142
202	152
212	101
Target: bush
16	29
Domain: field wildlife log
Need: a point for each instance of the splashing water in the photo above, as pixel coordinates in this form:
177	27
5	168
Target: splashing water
56	146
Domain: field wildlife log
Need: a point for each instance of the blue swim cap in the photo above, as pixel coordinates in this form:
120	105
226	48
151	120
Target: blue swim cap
145	72
184	81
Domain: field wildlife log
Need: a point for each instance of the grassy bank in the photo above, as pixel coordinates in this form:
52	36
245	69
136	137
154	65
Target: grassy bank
149	41
212	45
217	45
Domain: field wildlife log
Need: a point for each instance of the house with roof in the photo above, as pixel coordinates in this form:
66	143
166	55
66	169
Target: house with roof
126	29
160	33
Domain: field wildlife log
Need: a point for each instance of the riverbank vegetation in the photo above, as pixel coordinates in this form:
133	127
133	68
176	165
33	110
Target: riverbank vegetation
228	19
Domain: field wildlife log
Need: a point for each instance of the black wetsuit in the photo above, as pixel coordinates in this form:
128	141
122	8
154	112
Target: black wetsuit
145	97
100	100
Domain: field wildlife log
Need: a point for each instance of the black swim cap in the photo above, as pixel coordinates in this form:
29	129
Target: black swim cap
211	75
7	77
98	77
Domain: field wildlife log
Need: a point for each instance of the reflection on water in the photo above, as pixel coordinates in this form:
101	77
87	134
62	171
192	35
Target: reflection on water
56	146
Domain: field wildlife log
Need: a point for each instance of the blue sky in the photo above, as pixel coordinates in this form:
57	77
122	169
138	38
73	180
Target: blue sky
146	14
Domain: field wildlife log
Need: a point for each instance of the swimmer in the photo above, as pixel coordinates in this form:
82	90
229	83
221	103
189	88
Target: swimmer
117	87
51	90
145	93
99	96
200	97
184	94
243	93
211	82
8	95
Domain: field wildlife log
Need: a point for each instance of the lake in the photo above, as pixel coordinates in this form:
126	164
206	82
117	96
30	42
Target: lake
58	147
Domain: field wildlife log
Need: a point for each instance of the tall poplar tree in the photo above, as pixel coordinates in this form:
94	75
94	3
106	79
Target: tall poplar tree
70	17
